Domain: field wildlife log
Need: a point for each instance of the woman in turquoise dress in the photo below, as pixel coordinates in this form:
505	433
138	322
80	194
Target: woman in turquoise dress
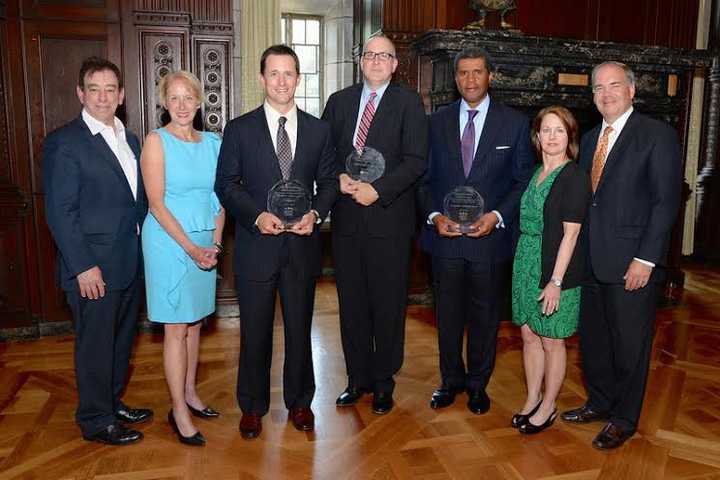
548	269
181	240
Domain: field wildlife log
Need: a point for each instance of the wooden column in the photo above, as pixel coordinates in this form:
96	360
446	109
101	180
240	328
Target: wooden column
707	233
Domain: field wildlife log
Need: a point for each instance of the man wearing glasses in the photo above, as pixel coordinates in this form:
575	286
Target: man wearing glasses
373	222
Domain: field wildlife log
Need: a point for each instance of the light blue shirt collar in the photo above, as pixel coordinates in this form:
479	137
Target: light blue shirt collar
364	97
479	119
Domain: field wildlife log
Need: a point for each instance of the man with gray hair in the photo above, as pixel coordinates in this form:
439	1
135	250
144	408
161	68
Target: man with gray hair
480	143
635	167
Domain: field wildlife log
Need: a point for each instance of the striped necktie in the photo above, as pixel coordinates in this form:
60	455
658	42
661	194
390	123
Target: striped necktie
365	122
600	157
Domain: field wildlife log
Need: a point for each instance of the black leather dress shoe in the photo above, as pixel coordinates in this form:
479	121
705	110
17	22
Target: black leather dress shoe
520	418
529	427
206	412
382	403
196	440
302	418
250	426
444	396
478	402
583	414
133	415
611	436
350	396
115	434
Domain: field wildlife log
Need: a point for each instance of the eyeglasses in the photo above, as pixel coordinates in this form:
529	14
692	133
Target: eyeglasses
382	56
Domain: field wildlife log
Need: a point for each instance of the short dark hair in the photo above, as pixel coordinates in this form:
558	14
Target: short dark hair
97	64
279	50
568	121
474	52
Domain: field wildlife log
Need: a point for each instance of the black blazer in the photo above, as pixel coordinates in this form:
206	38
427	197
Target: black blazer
90	208
399	132
248	168
567	201
637	199
502	167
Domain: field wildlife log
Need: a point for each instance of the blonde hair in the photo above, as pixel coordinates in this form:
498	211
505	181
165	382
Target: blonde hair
181	75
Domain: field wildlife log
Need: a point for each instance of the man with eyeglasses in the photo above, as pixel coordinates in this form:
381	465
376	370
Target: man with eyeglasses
373	223
635	167
477	142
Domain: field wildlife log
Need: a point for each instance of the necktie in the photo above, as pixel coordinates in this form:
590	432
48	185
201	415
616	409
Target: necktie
365	122
467	143
284	152
600	157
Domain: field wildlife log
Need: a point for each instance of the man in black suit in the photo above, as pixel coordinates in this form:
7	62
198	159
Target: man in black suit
95	204
275	142
372	223
635	167
483	144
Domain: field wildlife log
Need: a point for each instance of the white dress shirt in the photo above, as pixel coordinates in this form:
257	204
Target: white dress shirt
364	97
117	141
273	116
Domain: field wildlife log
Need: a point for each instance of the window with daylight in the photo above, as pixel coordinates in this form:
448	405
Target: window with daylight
304	34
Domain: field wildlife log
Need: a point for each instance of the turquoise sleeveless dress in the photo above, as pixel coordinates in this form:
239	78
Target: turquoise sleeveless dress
177	290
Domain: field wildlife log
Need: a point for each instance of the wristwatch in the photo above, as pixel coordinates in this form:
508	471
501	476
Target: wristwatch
556	281
318	220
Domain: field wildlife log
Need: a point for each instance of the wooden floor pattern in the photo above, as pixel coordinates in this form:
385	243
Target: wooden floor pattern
679	434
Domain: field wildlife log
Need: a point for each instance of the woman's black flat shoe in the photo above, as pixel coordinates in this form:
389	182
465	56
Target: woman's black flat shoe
521	418
529	427
196	440
206	412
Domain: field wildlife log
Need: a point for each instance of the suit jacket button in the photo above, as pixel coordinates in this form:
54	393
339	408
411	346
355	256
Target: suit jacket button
594	204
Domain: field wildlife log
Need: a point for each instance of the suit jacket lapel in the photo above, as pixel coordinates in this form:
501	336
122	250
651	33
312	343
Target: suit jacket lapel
106	154
267	149
452	135
620	145
302	134
383	111
352	114
493	124
588	152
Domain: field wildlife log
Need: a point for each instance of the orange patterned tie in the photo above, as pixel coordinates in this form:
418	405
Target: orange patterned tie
600	157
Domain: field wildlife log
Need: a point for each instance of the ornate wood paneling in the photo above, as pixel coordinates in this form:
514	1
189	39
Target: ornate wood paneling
70	9
162	50
212	65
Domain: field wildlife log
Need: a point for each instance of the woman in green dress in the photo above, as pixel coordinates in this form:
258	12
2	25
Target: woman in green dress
548	268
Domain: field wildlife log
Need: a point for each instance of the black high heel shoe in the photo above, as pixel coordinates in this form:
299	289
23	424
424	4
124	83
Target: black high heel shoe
196	440
206	412
521	418
529	427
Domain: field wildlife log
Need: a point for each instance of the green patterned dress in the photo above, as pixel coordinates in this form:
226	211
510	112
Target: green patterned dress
527	269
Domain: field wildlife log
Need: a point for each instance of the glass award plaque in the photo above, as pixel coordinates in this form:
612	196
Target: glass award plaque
365	165
289	200
464	206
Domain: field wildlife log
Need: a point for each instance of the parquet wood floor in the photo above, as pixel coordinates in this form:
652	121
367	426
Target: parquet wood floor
679	435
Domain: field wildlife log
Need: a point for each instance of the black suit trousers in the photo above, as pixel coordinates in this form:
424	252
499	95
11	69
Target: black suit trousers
104	334
372	284
257	312
616	333
466	293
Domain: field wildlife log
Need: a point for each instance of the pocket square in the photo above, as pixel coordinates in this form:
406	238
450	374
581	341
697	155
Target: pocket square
502	147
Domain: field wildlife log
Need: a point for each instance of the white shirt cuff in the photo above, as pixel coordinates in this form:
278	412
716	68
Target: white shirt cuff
431	216
645	262
500	223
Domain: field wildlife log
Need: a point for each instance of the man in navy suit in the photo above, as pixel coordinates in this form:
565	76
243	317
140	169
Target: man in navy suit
95	204
483	144
275	142
373	222
635	168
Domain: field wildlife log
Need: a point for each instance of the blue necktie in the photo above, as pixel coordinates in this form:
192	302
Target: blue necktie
467	143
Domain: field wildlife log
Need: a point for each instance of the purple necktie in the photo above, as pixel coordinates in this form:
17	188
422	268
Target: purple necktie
467	143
